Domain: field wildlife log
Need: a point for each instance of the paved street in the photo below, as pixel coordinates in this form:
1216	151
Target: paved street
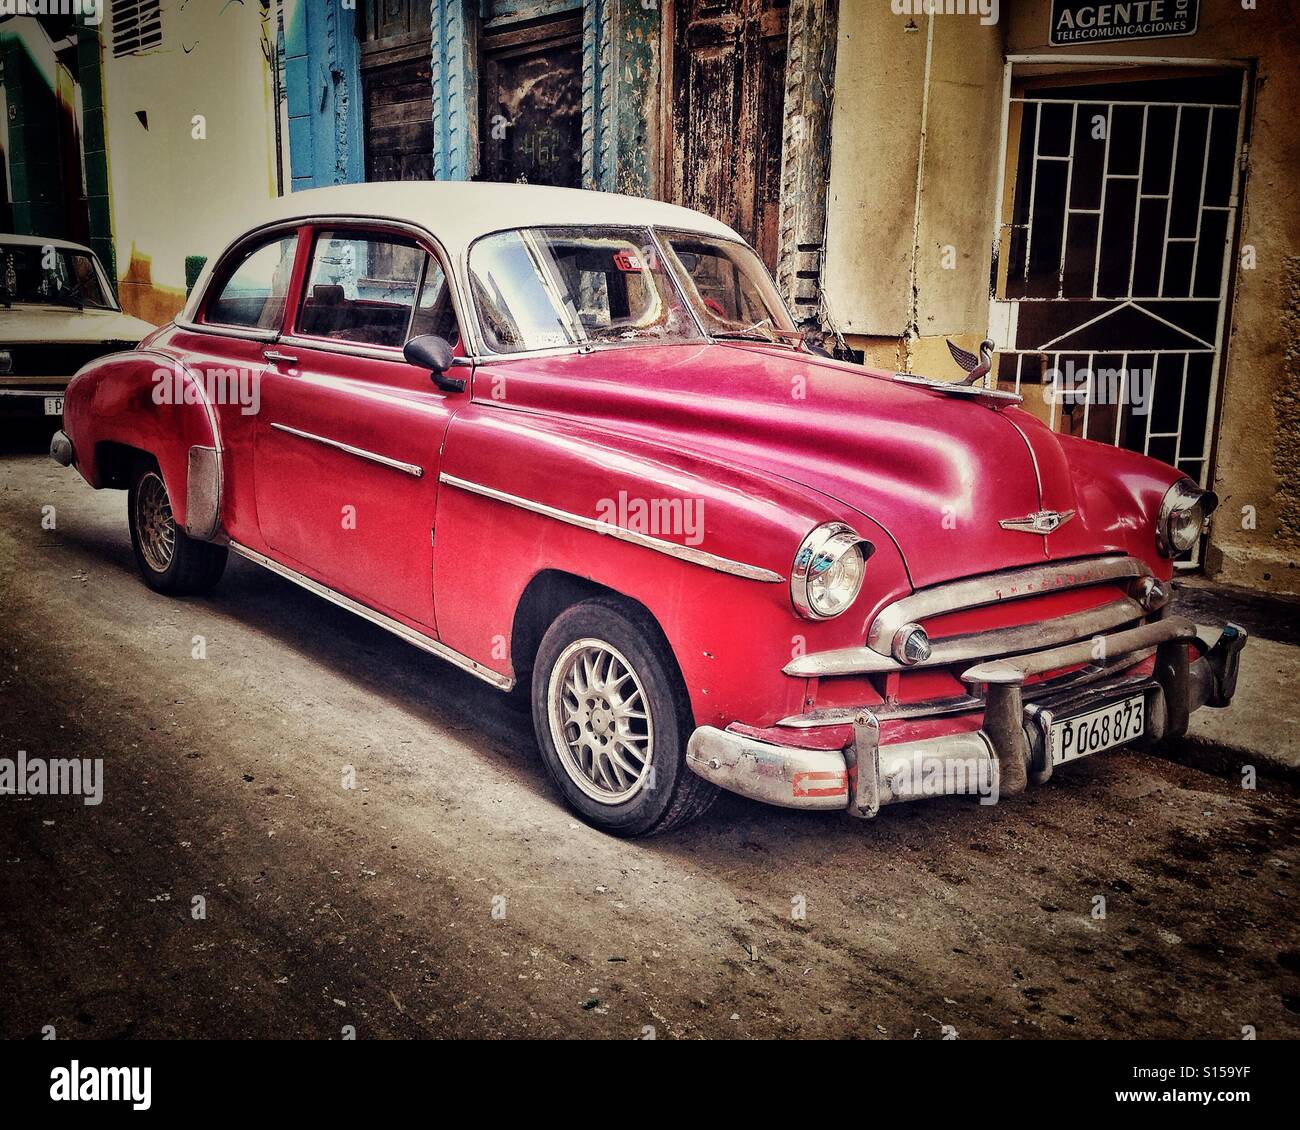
374	906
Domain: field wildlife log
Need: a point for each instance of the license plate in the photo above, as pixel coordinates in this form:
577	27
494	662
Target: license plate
1103	728
54	406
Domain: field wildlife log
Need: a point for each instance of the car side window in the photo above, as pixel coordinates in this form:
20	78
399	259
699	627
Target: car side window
434	313
361	288
254	293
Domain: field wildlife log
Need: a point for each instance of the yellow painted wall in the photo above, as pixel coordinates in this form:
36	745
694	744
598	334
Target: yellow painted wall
174	195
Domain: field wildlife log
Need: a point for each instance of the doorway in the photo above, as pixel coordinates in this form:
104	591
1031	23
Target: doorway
531	125
1117	246
395	89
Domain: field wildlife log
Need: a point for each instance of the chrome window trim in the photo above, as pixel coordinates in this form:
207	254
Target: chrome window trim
251	240
362	349
676	265
412	469
605	529
996	642
410	635
1010	584
489	356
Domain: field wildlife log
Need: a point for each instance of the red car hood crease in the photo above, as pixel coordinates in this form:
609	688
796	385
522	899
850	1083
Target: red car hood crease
937	473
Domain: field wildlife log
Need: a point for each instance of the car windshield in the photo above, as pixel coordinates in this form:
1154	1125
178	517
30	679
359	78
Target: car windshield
728	287
541	288
545	288
52	276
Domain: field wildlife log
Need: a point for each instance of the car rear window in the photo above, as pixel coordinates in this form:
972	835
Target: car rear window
254	293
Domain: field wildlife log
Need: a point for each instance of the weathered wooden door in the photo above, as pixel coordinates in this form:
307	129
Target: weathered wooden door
728	113
531	94
396	92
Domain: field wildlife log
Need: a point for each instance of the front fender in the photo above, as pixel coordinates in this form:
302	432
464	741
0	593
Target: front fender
155	403
732	631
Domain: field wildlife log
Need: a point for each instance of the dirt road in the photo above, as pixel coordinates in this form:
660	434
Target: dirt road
450	894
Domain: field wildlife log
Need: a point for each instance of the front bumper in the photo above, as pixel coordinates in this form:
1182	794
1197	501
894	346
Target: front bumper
1010	745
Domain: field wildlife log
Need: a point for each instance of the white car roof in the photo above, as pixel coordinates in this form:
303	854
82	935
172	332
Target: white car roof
43	241
458	212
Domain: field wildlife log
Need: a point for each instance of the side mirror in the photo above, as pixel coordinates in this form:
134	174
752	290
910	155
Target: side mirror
431	352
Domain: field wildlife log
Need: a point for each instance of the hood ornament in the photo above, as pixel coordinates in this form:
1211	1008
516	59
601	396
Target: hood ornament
976	367
1041	522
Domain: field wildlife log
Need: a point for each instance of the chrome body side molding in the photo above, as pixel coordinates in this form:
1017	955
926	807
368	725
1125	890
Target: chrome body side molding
606	529
411	469
410	635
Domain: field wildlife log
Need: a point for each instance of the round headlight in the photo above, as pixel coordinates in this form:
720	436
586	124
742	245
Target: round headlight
828	571
1182	515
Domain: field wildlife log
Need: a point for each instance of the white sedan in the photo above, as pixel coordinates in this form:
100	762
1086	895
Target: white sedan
57	312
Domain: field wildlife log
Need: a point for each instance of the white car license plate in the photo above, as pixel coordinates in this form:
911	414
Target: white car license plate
1103	728
54	406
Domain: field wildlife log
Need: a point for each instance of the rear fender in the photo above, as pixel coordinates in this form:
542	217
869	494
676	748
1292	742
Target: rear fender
156	404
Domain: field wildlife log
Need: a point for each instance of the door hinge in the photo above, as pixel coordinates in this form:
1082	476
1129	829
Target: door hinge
1243	160
430	537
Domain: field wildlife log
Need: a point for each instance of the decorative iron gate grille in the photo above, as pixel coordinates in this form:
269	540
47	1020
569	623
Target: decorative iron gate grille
1118	259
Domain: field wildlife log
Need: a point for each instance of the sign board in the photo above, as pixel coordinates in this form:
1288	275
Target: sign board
1077	23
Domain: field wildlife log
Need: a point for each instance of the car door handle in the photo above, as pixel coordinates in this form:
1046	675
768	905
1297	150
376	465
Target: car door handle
278	358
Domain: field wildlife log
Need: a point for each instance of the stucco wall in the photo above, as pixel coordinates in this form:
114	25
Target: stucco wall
913	172
1256	535
174	195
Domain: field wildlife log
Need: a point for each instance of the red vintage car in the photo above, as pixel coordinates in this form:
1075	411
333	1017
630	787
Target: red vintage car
571	443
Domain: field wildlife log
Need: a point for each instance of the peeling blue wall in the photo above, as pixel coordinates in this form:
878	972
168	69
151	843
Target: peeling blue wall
323	89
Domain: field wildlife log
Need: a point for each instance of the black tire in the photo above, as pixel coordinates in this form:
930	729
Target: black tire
192	567
667	793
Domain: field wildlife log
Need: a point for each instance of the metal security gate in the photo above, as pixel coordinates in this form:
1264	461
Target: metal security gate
1115	257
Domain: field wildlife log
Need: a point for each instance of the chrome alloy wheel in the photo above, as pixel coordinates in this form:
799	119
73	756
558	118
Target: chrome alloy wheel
154	524
600	721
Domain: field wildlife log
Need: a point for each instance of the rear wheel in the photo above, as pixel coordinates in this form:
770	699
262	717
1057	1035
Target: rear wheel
612	720
168	559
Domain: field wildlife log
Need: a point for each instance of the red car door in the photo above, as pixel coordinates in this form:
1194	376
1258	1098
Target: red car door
349	434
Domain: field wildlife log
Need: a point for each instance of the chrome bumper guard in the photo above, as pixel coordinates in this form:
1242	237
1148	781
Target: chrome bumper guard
61	448
1002	756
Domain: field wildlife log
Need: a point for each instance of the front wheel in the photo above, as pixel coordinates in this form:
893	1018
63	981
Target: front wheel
169	560
612	720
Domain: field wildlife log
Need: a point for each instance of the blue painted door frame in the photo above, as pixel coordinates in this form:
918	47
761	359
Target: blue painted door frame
322	80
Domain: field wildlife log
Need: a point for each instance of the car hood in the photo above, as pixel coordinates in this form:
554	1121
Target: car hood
938	472
63	325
